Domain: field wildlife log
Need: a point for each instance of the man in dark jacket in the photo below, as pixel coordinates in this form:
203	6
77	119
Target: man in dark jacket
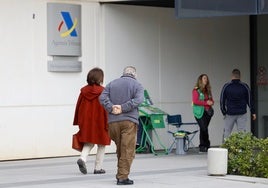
235	97
121	98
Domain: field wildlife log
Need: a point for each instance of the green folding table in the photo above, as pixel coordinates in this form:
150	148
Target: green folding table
151	118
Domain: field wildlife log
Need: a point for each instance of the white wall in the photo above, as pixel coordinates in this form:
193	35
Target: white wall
170	54
37	106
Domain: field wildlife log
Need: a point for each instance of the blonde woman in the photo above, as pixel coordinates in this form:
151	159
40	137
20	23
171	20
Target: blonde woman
202	109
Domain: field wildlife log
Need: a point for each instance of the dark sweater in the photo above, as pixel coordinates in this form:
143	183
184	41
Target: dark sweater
235	96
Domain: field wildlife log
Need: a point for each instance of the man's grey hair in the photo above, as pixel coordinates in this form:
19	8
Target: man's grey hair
129	70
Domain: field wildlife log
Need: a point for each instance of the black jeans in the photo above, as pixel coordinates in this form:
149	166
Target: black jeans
203	123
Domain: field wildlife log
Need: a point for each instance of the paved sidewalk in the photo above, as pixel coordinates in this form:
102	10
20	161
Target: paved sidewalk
162	171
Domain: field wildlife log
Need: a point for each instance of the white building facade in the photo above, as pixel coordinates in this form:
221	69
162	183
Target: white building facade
37	106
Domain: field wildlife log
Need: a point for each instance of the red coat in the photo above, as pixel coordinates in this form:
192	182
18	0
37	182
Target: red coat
91	117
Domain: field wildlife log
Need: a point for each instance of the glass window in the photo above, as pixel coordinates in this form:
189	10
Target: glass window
262	76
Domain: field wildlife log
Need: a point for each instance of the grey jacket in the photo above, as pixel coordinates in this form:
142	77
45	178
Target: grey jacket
127	92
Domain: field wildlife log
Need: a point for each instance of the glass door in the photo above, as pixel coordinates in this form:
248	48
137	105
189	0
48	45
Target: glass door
261	76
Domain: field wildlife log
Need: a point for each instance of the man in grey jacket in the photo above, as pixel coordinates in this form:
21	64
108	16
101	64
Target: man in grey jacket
121	98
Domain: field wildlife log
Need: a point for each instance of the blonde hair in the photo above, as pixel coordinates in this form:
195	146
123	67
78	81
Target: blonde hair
204	88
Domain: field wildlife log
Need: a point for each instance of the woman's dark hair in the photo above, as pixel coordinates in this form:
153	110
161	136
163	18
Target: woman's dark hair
95	76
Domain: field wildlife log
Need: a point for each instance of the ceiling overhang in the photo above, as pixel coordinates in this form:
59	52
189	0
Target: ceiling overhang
202	8
154	3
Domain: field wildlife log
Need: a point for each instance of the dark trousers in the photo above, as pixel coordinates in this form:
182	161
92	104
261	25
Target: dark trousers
140	131
203	123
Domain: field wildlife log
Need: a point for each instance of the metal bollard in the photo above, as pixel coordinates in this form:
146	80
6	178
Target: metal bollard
180	145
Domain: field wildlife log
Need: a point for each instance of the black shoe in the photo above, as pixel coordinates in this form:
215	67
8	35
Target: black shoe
125	182
203	150
101	171
82	166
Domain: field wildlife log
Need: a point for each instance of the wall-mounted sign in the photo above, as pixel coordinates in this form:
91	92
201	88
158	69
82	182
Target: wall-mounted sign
262	78
64	66
63	29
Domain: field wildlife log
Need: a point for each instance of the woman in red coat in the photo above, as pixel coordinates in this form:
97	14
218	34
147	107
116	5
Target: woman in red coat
91	118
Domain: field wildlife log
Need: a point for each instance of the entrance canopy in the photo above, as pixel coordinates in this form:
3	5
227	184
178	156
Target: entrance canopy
212	8
203	8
